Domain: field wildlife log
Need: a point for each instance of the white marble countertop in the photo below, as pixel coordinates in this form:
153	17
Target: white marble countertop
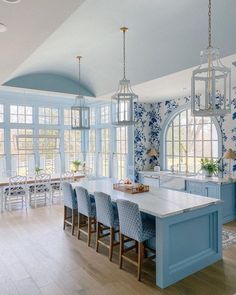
157	202
200	178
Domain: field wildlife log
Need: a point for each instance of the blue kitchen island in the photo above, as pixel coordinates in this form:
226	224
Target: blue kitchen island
188	228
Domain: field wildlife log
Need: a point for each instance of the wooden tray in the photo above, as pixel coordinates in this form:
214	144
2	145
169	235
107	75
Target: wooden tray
131	188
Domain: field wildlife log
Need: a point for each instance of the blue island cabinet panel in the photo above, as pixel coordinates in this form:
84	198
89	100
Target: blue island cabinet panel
187	242
223	191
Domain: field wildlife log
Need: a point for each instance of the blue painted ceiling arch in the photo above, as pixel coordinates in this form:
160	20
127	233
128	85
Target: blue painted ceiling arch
49	82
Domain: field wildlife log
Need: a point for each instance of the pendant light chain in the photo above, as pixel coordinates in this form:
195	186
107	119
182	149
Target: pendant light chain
209	25
124	61
209	72
79	58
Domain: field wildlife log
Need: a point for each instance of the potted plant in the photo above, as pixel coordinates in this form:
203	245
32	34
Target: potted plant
210	167
38	170
76	165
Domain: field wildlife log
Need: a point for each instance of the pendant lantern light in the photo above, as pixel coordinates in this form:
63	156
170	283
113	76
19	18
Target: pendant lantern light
211	83
80	113
123	100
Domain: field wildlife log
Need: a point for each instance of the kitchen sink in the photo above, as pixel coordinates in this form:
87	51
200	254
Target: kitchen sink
182	174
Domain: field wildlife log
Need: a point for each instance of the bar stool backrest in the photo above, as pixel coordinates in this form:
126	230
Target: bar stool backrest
83	201
69	195
130	219
104	209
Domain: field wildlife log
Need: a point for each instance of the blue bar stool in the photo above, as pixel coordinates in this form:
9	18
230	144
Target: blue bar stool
70	202
134	227
86	208
107	219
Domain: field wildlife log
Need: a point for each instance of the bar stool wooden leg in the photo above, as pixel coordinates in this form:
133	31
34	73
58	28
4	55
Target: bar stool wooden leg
73	222
112	233
89	230
79	222
97	235
140	259
64	223
136	246
121	250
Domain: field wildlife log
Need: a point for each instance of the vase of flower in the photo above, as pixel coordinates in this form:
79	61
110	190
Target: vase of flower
76	165
210	167
38	170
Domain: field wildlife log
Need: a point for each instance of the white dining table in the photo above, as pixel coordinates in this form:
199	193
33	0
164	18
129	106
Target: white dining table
188	227
4	182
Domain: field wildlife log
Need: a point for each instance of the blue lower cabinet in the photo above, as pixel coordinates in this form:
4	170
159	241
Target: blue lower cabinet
223	191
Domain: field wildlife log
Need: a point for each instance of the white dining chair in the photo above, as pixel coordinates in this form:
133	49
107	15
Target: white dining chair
16	192
41	190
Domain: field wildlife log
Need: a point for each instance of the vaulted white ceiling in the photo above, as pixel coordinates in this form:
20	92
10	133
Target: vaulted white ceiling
29	23
163	43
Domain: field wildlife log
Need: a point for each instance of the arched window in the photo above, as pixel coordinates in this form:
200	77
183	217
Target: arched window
187	139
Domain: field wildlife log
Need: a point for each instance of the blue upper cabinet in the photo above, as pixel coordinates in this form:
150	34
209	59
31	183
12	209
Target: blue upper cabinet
224	191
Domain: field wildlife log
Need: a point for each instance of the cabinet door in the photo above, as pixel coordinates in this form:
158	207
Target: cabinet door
211	191
228	197
151	181
195	188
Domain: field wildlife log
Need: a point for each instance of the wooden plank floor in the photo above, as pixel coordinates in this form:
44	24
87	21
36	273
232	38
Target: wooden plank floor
38	257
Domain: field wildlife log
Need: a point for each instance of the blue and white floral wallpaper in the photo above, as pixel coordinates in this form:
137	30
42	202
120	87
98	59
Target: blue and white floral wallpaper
149	119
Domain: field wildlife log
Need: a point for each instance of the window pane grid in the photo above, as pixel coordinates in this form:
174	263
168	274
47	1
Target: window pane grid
22	160
1	113
188	139
48	116
121	151
21	114
105	152
105	114
92	116
67	117
49	153
72	147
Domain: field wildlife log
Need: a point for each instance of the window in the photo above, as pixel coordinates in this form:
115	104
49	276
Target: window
187	140
121	152
1	141
49	156
91	155
21	114
2	155
105	114
92	116
1	113
72	147
22	157
67	117
48	116
105	152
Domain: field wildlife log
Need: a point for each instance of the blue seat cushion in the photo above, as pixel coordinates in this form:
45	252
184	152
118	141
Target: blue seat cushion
39	188
15	191
56	186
